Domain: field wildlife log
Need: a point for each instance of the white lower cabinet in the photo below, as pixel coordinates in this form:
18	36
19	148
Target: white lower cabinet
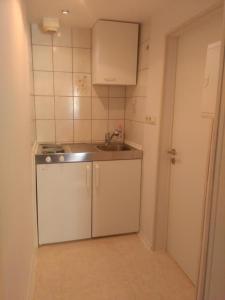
116	197
64	202
72	206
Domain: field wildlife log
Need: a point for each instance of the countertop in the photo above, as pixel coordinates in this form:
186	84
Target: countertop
85	153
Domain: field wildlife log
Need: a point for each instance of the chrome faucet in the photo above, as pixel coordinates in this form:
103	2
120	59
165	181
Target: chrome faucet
109	136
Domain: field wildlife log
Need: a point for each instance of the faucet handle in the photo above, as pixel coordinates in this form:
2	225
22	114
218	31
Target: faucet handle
107	137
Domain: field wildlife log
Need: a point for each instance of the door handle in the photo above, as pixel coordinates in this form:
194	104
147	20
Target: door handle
97	175
88	177
172	152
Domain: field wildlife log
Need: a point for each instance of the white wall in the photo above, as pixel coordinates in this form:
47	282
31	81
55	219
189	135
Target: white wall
16	209
136	96
162	23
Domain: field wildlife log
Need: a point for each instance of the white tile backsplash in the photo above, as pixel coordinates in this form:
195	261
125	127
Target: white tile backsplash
100	107
82	108
81	38
100	91
64	131
116	108
45	131
43	83
81	60
39	37
44	107
42	58
117	91
81	84
63	84
62	59
63	37
68	107
82	131
99	128
64	108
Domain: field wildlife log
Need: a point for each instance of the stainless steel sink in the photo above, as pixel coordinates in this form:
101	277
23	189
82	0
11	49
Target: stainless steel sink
114	147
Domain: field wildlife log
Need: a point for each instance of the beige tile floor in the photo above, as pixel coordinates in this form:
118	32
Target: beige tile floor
114	268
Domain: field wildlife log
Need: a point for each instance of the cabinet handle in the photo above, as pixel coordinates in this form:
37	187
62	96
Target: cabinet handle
110	79
88	177
97	175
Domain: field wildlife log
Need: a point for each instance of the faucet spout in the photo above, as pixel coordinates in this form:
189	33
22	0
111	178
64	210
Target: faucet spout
109	137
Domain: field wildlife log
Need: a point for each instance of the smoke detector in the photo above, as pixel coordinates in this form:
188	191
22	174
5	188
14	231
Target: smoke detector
50	24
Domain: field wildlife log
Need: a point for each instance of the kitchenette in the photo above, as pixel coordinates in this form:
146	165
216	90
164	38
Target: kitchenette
88	178
112	150
87	190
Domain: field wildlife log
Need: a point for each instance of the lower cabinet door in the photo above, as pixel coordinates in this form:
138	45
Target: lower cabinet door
116	197
64	202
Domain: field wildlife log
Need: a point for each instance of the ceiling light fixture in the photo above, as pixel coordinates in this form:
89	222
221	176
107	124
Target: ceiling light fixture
65	11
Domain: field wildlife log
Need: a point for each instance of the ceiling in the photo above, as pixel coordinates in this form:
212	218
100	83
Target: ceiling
84	13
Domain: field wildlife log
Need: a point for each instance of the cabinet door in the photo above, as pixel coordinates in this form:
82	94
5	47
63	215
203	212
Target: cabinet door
116	197
115	47
64	202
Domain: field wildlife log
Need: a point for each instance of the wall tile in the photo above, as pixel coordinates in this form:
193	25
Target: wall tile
116	108
81	38
63	84
62	59
64	108
82	108
44	107
99	129
45	131
130	91
100	91
64	131
82	85
39	37
81	60
82	131
43	83
42	58
117	91
100	108
130	108
63	37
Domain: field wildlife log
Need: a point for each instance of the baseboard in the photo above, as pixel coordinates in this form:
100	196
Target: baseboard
31	283
145	241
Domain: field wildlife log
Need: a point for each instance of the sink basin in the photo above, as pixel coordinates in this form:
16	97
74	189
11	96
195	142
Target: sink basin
114	147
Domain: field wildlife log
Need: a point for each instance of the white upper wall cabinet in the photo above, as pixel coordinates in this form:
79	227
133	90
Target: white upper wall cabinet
115	49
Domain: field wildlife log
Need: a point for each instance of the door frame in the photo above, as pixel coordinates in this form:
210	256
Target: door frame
164	165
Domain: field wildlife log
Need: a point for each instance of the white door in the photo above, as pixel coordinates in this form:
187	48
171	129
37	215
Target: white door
116	197
191	143
64	202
